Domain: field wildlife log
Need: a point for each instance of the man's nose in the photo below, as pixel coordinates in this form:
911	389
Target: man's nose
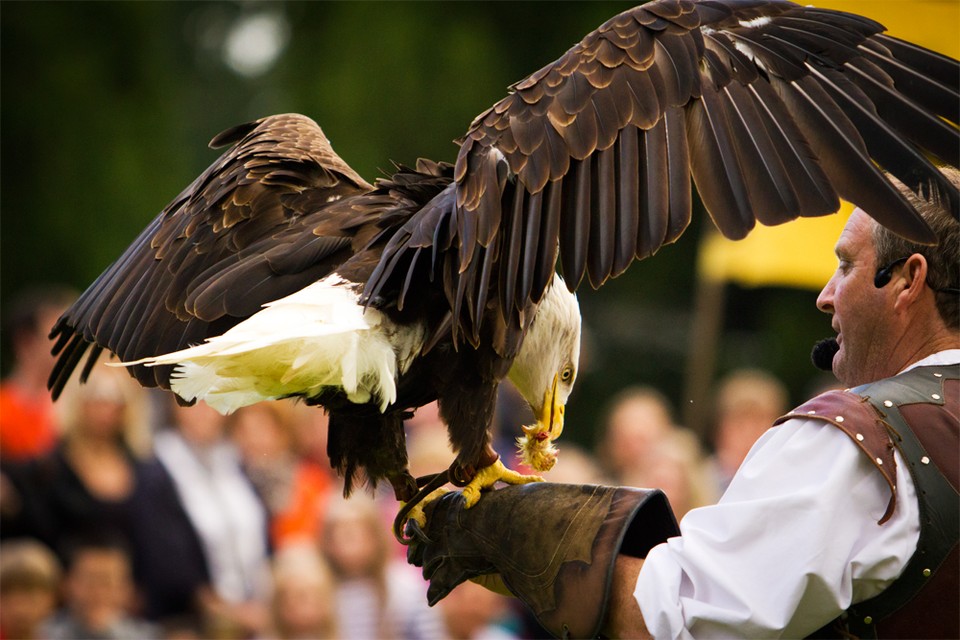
825	299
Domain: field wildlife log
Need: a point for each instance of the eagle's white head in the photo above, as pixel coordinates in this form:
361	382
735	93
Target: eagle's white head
545	369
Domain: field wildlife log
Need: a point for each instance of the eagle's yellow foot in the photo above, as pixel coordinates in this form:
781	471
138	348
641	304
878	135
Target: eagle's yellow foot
417	512
489	476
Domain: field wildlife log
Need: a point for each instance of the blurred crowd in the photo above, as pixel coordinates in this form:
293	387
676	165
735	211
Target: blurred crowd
125	515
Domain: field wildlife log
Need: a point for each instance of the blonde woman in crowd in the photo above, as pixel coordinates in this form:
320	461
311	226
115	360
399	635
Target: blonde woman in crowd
89	481
377	596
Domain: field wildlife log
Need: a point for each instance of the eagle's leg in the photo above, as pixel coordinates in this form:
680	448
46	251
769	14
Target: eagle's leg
413	508
411	501
404	485
490	471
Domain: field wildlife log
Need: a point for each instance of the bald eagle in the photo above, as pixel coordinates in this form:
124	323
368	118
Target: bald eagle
280	272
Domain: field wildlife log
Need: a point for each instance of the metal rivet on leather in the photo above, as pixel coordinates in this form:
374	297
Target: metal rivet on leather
839	418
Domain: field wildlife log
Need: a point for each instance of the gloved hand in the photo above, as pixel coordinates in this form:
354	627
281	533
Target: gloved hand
553	545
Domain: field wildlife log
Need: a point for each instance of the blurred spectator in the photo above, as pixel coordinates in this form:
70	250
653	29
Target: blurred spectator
303	594
310	433
428	445
637	419
747	402
575	466
377	595
512	412
227	516
294	489
29	583
677	466
28	426
98	589
170	564
89	481
471	612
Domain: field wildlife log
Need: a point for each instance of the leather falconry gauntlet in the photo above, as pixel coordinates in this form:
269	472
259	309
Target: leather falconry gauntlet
553	545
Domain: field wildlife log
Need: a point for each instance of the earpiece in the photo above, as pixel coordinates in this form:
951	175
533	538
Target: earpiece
884	274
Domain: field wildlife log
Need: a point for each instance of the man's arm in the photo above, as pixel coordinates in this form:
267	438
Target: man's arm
624	619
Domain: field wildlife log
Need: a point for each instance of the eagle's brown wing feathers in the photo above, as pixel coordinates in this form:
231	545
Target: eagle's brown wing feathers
250	229
775	110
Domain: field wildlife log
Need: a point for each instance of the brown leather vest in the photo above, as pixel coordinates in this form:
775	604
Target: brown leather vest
918	413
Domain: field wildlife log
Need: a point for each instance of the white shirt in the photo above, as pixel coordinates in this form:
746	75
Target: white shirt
792	543
225	511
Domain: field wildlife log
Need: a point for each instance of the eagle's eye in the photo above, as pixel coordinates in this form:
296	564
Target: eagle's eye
566	374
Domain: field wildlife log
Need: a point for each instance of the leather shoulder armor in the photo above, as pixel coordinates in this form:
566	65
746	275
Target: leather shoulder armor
917	413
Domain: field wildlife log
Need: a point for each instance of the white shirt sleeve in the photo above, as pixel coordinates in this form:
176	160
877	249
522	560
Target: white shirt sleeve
790	545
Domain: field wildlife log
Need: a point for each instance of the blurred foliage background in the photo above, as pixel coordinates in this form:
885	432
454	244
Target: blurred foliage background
107	106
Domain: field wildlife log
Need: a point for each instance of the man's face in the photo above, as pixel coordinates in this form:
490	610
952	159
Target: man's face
861	312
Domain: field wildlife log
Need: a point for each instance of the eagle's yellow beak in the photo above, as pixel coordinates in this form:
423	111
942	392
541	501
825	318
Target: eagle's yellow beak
551	414
536	445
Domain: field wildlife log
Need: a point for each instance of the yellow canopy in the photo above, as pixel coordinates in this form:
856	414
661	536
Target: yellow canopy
800	253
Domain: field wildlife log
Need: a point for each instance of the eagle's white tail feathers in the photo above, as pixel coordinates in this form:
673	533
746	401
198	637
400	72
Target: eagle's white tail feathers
316	338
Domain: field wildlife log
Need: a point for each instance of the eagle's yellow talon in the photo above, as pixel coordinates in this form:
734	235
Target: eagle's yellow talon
489	476
417	513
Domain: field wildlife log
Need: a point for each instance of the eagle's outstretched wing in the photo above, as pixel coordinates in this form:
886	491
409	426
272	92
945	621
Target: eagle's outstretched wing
774	109
250	229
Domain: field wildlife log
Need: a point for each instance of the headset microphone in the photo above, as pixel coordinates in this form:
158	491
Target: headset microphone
823	352
884	274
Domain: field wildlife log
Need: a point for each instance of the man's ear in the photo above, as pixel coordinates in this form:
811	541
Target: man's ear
912	280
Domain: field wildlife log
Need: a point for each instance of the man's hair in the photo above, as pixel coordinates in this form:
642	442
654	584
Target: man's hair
943	259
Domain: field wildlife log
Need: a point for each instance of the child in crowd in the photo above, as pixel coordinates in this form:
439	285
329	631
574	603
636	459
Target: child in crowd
303	594
29	579
98	590
376	596
471	612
